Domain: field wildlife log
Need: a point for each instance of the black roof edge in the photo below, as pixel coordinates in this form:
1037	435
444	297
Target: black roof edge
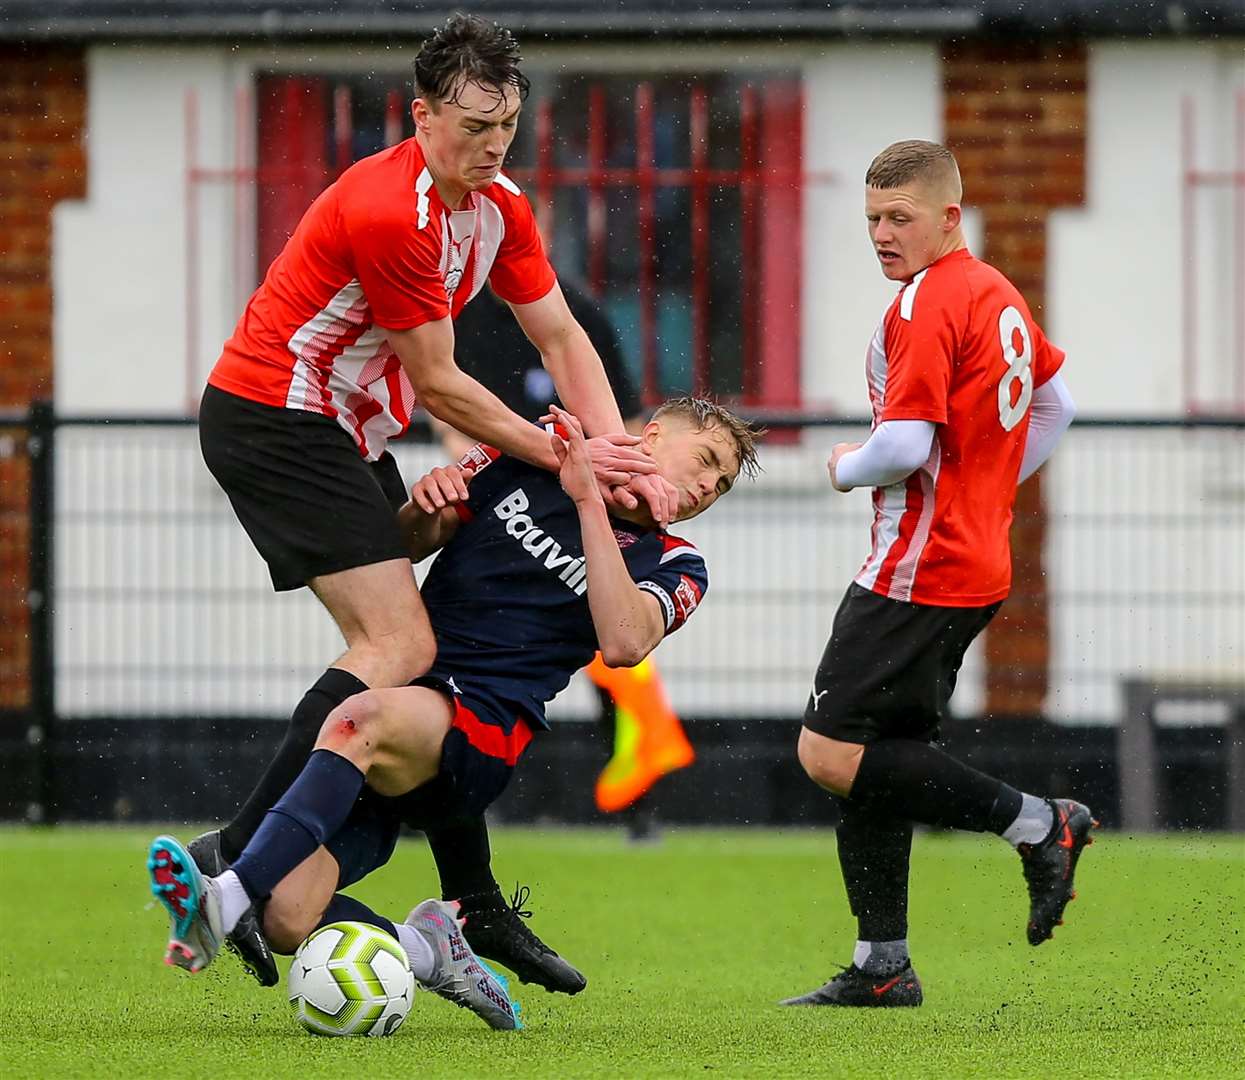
965	19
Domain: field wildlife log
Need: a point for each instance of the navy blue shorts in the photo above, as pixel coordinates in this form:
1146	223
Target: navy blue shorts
482	747
484	743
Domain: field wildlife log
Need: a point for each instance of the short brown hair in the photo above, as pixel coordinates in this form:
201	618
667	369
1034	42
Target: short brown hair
915	159
701	413
468	49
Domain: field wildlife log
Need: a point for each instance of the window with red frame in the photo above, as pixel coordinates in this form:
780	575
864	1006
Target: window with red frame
675	199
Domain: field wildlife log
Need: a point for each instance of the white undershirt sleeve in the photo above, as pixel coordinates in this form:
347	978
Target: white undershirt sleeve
896	449
1050	413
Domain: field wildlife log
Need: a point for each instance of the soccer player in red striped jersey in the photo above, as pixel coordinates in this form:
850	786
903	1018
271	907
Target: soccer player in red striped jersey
352	326
967	402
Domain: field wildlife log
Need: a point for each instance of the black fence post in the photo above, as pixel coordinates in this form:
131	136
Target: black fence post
41	735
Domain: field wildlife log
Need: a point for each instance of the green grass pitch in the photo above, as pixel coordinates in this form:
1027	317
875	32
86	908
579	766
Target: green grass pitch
687	944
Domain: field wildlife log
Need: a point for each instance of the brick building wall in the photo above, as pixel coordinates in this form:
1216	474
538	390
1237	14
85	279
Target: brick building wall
1015	118
42	160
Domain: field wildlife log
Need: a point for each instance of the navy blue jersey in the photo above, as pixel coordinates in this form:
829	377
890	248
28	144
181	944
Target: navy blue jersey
508	595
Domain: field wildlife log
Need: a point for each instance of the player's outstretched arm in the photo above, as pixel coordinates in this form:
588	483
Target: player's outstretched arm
427	356
451	395
571	359
579	375
628	621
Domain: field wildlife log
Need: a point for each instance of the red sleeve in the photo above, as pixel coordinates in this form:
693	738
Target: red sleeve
1047	358
398	266
521	271
920	350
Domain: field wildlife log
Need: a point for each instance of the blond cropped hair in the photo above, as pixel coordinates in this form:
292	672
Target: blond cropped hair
928	163
701	413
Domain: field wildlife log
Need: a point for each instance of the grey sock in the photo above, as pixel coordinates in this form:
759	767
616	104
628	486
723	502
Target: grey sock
881	957
1033	824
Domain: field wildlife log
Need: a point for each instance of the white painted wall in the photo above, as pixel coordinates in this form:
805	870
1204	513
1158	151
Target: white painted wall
119	256
1114	290
858	100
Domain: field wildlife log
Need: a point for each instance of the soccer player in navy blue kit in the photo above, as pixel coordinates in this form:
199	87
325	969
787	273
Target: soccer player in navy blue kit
533	577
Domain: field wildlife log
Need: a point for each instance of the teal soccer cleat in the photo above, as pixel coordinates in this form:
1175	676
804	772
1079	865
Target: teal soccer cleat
192	901
246	939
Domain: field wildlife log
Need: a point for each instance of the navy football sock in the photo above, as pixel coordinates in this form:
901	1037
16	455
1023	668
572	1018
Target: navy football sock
343	908
914	780
306	816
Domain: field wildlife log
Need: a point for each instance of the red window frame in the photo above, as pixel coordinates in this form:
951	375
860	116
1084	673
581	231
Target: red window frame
305	138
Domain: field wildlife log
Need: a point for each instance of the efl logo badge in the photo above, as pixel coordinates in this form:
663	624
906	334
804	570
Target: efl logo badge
686	597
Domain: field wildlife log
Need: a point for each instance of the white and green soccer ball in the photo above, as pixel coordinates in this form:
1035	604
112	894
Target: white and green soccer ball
349	978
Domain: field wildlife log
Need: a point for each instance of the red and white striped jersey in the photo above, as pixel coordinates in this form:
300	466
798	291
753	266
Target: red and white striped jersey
378	250
957	347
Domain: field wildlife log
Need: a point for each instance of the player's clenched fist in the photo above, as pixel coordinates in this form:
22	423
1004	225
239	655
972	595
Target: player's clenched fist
833	464
443	486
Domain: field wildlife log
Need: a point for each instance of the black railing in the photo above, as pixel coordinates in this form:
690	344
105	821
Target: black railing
143	634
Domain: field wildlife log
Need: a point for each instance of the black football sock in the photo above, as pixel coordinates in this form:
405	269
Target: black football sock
874	851
461	850
914	780
329	691
343	908
306	816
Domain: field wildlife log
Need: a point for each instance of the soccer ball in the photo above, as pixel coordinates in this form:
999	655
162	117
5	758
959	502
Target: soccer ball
349	978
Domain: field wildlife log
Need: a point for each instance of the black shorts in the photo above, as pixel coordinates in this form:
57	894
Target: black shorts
478	757
890	667
302	491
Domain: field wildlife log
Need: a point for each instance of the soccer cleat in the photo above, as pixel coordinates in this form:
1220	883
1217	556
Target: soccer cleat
246	940
459	975
192	901
858	989
1049	867
495	929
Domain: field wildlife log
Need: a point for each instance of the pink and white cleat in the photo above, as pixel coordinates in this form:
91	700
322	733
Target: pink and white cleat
460	976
